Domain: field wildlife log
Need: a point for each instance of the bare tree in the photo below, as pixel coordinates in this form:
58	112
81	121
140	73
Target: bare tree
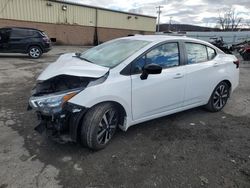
229	19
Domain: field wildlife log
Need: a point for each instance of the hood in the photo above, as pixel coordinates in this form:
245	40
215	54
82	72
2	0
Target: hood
68	65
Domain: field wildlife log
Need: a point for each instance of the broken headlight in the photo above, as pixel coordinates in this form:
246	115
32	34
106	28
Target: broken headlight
53	103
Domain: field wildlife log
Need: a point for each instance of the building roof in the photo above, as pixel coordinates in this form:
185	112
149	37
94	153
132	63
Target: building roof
101	8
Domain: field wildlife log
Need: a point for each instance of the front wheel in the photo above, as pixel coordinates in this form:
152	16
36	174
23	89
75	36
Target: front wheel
35	52
99	125
219	97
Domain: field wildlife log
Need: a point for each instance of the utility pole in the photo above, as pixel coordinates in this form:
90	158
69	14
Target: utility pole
159	15
170	22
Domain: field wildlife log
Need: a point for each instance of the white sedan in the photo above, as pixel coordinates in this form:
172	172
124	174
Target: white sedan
130	80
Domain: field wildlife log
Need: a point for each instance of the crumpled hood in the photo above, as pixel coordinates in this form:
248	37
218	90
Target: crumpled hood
68	65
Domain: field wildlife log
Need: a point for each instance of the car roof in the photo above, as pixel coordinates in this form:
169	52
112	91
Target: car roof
162	38
26	28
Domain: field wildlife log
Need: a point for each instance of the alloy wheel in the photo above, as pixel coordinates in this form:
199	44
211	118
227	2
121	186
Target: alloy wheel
220	97
34	52
107	126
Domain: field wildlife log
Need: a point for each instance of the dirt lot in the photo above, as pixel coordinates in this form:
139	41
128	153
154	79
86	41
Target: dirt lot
194	148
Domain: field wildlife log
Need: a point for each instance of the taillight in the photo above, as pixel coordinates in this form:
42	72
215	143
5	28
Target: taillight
237	63
46	39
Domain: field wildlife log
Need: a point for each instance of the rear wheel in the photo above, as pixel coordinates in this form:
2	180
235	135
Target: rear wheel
219	97
99	125
35	52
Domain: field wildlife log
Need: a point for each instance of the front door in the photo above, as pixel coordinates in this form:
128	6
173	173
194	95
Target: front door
4	40
161	92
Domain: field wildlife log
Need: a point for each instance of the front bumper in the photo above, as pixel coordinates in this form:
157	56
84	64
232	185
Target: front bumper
66	122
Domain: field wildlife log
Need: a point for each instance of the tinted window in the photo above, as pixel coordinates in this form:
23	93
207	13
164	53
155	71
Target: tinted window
4	35
166	55
211	53
17	33
196	53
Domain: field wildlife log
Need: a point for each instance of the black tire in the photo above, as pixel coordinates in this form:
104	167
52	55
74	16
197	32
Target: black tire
35	52
219	97
96	133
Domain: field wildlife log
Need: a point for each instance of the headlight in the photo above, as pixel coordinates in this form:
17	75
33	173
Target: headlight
51	104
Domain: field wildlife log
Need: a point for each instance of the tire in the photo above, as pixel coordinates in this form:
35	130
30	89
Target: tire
219	97
99	125
35	52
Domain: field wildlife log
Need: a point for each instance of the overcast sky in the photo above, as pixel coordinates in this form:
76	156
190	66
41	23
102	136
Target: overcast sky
198	12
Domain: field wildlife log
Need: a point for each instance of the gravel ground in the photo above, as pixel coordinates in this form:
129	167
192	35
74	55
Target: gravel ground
194	148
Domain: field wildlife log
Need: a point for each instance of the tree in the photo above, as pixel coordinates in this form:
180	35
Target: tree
229	19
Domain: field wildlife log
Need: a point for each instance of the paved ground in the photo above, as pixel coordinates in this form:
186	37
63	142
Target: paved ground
194	148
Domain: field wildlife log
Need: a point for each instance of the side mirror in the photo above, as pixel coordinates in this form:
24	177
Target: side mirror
150	69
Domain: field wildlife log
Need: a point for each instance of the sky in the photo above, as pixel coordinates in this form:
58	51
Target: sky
197	12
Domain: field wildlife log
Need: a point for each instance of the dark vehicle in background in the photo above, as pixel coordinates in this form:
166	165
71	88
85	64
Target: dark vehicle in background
24	40
244	49
245	53
219	43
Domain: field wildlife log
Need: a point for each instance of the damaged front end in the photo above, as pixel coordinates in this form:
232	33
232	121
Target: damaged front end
50	101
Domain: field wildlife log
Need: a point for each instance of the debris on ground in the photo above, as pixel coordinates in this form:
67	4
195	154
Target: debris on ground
204	180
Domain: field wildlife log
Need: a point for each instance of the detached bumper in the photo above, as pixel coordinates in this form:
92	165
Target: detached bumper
65	122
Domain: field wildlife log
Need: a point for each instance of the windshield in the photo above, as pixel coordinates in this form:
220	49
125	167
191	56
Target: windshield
113	53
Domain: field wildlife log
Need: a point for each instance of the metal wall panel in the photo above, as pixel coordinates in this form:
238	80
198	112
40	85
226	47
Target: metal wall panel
51	12
125	21
41	11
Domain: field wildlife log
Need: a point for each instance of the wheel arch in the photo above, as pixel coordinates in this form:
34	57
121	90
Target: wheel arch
120	108
76	122
228	83
30	45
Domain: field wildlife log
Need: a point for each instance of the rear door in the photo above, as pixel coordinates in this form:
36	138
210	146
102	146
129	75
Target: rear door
159	93
202	71
18	40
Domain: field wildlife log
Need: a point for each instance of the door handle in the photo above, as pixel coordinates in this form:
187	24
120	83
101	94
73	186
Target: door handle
178	75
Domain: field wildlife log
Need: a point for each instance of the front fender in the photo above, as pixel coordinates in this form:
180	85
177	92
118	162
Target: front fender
109	91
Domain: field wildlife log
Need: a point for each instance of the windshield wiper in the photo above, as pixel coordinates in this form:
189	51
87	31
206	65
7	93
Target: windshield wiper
82	58
78	55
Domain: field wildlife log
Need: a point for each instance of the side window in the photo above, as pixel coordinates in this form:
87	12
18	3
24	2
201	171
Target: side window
166	55
211	53
4	35
138	65
196	53
18	33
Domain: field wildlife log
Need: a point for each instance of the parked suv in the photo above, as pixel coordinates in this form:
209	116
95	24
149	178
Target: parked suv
24	40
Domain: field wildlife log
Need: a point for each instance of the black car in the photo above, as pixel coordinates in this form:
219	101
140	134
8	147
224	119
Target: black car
24	40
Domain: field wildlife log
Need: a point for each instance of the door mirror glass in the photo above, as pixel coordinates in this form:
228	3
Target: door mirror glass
150	69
